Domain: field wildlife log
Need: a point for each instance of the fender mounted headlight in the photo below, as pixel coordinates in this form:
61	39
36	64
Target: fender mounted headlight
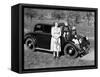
87	38
80	40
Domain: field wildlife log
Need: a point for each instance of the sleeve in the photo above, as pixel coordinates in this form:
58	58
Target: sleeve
59	33
52	31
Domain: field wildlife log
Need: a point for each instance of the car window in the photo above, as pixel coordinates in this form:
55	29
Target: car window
47	29
44	28
38	28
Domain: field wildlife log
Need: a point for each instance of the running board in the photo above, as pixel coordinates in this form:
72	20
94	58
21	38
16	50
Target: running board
44	49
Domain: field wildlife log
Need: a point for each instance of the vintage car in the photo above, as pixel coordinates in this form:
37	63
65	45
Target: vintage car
40	39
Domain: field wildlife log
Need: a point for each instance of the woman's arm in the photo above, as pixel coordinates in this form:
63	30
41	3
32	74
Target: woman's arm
52	31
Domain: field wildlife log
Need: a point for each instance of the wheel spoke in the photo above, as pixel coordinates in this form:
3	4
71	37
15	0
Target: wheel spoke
70	51
30	43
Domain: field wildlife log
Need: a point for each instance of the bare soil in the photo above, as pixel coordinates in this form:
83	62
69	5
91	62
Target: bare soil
33	60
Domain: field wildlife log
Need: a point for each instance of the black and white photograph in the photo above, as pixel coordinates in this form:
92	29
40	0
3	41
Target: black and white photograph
58	38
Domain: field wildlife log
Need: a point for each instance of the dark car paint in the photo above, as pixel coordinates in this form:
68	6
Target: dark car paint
43	37
43	40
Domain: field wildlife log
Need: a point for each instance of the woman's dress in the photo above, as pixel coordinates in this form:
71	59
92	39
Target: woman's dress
55	39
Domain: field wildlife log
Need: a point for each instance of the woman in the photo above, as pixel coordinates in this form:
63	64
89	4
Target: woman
55	40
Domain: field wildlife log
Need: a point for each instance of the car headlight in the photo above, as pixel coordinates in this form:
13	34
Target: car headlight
80	40
87	38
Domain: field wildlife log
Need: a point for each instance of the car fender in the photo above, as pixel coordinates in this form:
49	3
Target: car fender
29	35
72	44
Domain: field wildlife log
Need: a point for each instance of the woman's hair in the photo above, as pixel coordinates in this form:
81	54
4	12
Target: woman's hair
54	23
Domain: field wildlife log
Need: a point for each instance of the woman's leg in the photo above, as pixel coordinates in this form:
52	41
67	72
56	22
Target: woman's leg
57	54
54	53
59	47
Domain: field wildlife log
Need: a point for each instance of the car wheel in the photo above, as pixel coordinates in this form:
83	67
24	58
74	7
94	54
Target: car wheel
70	51
30	43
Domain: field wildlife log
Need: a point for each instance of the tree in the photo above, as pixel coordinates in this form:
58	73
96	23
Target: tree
73	18
89	16
31	13
41	16
58	15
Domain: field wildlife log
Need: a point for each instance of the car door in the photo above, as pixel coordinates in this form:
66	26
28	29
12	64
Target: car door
44	37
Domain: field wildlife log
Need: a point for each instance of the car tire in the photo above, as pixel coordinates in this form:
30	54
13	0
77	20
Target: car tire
70	51
30	43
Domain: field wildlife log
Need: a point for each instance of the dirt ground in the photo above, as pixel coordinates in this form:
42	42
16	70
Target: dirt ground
39	59
34	60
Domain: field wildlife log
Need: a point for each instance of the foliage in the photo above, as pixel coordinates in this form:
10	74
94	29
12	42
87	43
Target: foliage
58	15
73	18
31	13
89	16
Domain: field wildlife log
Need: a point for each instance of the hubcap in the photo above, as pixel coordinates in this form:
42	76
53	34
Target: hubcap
70	51
29	43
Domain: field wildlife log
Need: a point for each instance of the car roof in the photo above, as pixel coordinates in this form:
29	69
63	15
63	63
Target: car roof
61	24
44	24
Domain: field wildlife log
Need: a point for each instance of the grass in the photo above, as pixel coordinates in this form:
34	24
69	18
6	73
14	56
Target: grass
34	60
